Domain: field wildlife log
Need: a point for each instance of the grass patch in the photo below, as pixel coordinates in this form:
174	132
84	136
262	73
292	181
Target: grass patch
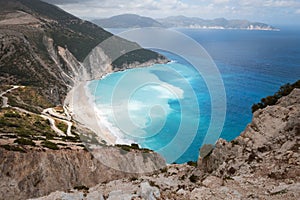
29	98
24	125
12	148
50	145
12	114
71	139
62	126
24	141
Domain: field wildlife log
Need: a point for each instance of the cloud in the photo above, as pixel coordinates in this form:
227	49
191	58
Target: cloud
220	1
268	11
61	2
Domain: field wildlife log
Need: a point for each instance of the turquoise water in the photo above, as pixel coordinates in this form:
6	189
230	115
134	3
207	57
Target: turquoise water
175	102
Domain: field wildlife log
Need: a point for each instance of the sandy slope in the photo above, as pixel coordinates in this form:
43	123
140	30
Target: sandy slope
82	111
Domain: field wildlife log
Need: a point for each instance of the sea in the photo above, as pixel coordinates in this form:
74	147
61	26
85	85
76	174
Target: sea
167	107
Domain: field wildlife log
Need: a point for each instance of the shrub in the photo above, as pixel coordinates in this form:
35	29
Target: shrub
192	163
50	145
81	187
144	150
13	148
4	122
124	147
234	142
24	141
193	178
62	126
271	100
164	170
133	179
135	146
12	114
71	139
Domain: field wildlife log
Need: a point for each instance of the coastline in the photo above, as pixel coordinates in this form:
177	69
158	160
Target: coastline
80	104
82	110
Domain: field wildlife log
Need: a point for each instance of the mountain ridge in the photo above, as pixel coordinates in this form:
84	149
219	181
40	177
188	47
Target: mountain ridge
137	21
127	20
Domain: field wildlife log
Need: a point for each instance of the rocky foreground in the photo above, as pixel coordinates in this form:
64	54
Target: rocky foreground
262	163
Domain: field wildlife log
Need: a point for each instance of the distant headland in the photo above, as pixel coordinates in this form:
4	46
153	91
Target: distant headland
137	21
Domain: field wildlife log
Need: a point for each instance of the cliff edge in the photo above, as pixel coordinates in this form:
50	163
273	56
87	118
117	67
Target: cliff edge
262	163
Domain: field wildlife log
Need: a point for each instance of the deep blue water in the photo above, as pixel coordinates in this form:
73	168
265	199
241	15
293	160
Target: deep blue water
253	64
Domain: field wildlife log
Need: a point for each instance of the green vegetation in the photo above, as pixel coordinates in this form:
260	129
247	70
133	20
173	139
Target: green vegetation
192	163
62	126
128	148
271	100
24	141
140	55
50	145
28	98
124	147
12	114
135	146
12	148
24	125
71	139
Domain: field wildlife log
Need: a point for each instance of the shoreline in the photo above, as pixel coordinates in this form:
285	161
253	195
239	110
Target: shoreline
81	109
80	105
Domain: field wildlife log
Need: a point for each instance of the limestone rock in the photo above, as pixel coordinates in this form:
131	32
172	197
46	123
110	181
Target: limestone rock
212	182
149	192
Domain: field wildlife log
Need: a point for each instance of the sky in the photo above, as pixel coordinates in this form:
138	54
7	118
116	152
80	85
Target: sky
274	12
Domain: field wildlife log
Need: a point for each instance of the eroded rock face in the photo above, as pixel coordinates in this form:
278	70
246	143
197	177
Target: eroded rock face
37	173
268	147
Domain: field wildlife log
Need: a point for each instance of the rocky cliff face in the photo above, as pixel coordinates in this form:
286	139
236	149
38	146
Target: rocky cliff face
269	146
262	163
264	160
41	171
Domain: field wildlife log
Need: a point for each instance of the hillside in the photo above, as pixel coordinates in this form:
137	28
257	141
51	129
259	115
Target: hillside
136	21
43	46
44	53
219	23
127	21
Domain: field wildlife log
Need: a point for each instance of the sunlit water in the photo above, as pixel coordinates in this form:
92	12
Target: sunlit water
253	64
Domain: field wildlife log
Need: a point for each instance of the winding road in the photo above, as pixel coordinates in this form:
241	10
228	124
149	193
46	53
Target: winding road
5	99
48	114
